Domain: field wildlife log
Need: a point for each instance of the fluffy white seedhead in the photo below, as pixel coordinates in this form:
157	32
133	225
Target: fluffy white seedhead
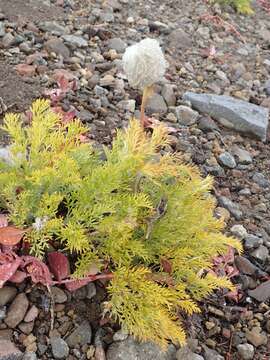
144	63
39	223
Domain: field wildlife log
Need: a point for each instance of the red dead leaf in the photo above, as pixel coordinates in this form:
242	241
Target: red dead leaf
8	266
73	285
77	284
10	235
37	270
167	265
59	265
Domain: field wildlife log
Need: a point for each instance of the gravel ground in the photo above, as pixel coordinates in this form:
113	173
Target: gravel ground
209	50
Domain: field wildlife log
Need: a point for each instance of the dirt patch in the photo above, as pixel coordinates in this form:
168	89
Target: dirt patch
30	10
17	92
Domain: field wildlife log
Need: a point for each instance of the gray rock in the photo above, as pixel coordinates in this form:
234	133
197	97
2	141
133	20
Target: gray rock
239	231
80	293
207	124
6	334
210	354
261	180
99	90
252	241
120	335
130	349
232	207
107	17
58	47
245	192
186	354
17	310
127	105
3	312
8	40
168	94
117	44
2	29
8	351
29	355
59	295
180	40
156	104
80	336
261	253
42	348
265	35
60	348
91	290
107	80
7	294
76	41
246	351
242	156
26	48
185	115
204	32
236	114
53	27
256	336
262	292
215	170
85	115
226	159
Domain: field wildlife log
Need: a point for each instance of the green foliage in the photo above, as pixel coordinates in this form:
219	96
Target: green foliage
242	6
148	218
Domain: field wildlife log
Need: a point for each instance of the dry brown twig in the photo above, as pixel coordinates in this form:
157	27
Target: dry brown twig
265	4
219	22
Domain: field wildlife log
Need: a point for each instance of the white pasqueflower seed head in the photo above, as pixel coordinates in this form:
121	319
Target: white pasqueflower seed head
144	63
39	223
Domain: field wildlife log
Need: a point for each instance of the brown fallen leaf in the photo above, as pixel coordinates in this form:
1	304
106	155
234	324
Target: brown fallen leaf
10	235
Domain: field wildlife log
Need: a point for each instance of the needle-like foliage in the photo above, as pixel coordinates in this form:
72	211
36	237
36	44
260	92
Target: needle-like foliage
242	6
146	217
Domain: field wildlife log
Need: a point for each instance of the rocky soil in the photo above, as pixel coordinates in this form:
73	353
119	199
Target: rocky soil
208	50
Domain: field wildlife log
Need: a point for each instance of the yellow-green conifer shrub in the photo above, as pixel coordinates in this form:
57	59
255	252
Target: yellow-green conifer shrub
242	6
148	217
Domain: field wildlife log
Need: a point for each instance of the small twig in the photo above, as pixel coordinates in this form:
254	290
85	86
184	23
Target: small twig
228	355
51	307
265	4
160	211
147	93
219	22
108	276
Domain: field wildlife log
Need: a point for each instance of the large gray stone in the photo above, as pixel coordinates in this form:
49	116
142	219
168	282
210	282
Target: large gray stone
210	354
232	207
80	336
58	47
180	40
246	351
156	104
17	310
76	41
60	348
130	349
184	353
53	27
8	351
230	112
7	293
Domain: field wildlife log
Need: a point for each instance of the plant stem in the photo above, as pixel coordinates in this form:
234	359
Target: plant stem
147	93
